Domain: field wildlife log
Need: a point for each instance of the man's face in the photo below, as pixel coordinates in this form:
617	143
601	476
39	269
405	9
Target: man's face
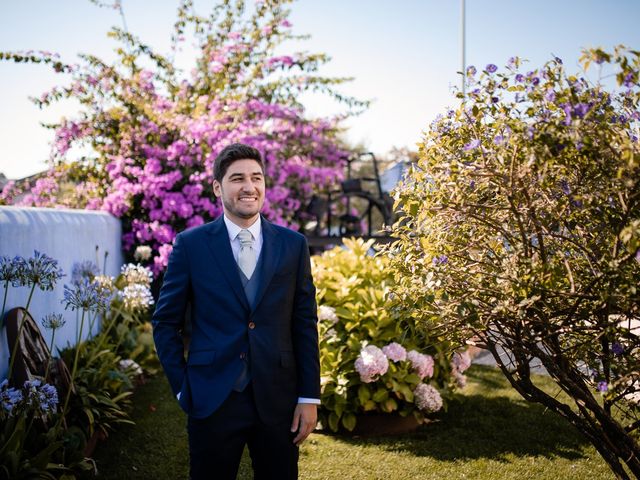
242	191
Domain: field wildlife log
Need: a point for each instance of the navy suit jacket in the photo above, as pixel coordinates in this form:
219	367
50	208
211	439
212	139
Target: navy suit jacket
278	332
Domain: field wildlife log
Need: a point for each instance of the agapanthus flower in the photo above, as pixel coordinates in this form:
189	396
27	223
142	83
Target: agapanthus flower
86	269
395	352
491	68
9	397
11	271
371	363
328	314
53	321
602	387
85	296
142	253
136	297
471	70
41	270
43	398
421	363
136	274
427	398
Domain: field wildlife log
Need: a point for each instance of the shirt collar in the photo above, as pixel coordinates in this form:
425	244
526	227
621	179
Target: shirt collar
234	229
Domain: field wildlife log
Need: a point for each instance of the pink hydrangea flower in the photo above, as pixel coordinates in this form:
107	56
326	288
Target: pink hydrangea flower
395	352
460	361
421	363
427	398
371	363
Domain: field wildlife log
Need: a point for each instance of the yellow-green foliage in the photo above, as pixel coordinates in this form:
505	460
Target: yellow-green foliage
356	309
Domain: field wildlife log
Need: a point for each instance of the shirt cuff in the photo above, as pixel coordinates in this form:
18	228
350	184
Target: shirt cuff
314	401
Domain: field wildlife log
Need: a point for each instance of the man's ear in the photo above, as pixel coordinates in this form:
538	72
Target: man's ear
217	189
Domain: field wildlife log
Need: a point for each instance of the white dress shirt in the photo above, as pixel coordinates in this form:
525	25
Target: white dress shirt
256	232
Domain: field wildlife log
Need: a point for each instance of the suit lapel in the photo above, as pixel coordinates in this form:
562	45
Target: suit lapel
220	248
271	246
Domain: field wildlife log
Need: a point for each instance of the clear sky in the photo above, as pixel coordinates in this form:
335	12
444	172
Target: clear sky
404	54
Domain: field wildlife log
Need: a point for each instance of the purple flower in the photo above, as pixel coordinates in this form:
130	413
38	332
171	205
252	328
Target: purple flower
421	363
395	352
471	71
602	387
440	260
41	270
581	109
427	398
550	95
558	60
498	140
491	68
12	271
460	361
473	144
617	348
86	269
371	363
85	295
564	185
519	78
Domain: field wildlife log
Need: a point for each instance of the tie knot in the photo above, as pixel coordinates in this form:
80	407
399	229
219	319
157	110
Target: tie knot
245	237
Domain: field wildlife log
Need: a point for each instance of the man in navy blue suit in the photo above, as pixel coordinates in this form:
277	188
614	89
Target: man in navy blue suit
251	374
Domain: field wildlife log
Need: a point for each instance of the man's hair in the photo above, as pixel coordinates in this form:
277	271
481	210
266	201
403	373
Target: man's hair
232	153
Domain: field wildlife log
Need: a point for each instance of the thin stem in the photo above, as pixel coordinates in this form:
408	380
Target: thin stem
33	287
46	372
73	370
4	302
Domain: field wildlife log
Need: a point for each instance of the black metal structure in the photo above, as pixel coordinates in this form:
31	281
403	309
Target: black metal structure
358	209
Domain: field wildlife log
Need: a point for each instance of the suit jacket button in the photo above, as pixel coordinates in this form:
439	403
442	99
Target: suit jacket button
243	355
252	325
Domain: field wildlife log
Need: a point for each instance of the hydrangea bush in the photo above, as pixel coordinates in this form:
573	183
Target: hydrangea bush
151	132
373	360
520	232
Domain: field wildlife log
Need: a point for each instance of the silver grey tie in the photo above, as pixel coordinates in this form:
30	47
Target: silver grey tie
247	255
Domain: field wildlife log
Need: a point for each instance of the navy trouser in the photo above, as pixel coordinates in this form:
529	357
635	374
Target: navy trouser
216	443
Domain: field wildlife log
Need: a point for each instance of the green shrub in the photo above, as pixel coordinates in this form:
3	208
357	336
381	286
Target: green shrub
373	360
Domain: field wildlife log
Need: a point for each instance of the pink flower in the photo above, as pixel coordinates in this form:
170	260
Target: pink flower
460	361
395	352
427	398
371	363
421	363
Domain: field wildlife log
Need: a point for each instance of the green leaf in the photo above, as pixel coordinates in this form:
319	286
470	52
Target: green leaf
349	421
363	394
380	395
333	422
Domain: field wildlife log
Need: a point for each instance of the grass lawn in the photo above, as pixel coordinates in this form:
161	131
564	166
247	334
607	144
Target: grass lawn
489	432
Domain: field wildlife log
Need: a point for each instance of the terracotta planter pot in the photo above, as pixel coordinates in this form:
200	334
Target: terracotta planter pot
379	424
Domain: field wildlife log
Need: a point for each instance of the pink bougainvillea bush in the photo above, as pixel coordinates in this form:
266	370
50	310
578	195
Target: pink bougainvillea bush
149	133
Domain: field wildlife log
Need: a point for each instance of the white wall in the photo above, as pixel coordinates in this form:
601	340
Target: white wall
68	236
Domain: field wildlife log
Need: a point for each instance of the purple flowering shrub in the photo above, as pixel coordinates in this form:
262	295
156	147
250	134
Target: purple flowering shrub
372	358
520	232
150	133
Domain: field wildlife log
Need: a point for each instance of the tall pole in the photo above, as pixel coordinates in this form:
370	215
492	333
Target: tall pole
463	46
